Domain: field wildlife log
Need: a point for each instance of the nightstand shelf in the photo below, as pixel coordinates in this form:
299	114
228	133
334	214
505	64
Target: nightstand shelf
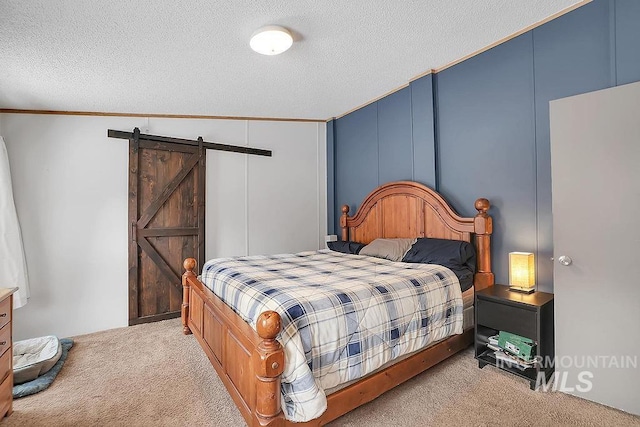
528	315
487	358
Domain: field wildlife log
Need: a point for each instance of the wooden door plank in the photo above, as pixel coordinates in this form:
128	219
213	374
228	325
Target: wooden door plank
165	169
155	318
133	219
153	208
201	200
190	207
159	261
174	216
168	232
150	275
155	145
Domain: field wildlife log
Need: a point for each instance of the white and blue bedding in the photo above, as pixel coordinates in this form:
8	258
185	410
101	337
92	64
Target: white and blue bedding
343	316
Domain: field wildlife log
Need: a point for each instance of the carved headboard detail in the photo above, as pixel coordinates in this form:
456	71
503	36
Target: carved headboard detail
409	209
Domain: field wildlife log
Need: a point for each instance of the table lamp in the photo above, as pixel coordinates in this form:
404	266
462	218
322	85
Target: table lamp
522	275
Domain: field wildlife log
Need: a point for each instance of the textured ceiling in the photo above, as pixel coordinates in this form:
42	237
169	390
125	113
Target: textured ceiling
193	56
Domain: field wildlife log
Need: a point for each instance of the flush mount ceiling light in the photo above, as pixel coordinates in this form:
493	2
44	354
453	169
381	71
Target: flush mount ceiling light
271	40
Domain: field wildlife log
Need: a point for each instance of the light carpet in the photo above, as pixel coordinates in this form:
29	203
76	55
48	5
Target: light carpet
152	375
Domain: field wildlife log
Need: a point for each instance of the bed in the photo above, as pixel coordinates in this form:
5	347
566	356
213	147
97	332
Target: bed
250	362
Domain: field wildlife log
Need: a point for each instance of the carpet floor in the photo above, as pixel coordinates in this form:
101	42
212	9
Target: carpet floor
152	375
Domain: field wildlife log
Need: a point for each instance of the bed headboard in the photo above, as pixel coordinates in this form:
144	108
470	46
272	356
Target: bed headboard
408	209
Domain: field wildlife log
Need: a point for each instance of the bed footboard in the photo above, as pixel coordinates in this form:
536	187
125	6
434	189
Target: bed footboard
249	364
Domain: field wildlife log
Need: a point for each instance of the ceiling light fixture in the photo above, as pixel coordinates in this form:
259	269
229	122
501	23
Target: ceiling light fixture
271	40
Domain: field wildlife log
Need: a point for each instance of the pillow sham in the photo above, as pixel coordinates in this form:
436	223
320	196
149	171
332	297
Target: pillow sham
391	249
456	255
346	247
465	277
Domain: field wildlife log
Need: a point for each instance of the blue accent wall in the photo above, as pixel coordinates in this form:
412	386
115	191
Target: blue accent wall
331	177
356	158
572	55
486	142
395	147
481	128
627	36
388	140
422	119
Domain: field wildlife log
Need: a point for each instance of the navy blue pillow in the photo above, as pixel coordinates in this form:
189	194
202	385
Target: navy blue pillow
456	255
346	247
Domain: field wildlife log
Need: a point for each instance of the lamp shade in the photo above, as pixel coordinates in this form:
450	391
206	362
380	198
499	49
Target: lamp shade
271	40
521	270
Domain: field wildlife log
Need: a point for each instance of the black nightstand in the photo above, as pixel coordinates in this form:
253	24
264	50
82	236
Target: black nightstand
529	315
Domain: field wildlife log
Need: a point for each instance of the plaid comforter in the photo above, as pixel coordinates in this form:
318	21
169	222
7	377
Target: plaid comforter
343	316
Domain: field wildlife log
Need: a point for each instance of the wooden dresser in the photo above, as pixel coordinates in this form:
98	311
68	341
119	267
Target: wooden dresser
6	352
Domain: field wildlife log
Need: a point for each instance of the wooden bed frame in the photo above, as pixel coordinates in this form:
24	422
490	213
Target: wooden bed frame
250	363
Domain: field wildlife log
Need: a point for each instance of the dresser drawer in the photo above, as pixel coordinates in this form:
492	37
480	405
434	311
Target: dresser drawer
6	354
5	311
5	338
507	318
6	396
5	365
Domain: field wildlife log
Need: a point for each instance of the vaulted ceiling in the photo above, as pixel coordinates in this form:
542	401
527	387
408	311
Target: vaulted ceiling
193	56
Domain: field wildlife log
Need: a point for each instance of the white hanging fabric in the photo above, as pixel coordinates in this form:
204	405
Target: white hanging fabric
13	266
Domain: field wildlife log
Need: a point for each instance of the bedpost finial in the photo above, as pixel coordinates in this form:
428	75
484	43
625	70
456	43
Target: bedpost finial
345	209
269	325
190	264
482	205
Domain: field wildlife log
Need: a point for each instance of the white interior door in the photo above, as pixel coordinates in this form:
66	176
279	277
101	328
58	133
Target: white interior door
595	160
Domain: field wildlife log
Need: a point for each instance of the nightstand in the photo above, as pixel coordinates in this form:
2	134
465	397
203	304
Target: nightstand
529	315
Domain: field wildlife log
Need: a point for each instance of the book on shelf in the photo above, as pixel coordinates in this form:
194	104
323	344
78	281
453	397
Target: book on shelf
511	349
493	347
512	361
516	345
493	340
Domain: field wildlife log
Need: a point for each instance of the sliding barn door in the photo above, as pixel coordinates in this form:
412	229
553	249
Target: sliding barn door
166	224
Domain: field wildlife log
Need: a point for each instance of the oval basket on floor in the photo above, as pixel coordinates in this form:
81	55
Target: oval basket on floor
44	381
34	357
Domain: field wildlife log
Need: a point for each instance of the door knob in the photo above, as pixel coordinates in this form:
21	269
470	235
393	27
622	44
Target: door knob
565	260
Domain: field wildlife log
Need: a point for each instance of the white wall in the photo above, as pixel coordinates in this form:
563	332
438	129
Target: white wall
70	188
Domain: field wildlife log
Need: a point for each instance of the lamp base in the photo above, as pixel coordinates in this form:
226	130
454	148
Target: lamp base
522	290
